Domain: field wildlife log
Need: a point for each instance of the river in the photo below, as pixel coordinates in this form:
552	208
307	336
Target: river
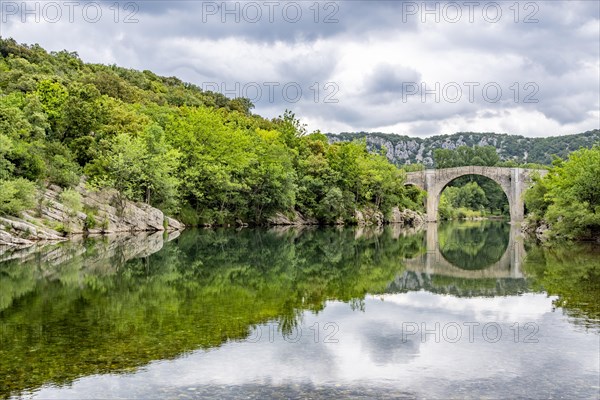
456	310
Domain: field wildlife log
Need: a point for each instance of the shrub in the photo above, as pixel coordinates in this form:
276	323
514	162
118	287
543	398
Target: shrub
90	218
62	229
16	195
445	210
71	199
188	216
90	222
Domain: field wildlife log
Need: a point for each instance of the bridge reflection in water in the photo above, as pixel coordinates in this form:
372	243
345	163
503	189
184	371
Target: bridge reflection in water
467	259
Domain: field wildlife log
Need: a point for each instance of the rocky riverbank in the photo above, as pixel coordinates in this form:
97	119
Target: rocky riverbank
539	230
88	212
364	217
58	217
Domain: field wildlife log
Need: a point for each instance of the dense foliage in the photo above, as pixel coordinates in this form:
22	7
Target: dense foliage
510	148
568	197
195	154
465	155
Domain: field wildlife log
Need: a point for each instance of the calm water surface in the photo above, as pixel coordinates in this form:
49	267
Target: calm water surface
463	310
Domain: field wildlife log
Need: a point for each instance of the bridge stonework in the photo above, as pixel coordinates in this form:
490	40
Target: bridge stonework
513	181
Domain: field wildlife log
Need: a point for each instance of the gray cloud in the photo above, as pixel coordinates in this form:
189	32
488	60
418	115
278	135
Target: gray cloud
369	49
387	78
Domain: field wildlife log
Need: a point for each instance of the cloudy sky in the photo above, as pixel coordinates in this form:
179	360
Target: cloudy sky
413	67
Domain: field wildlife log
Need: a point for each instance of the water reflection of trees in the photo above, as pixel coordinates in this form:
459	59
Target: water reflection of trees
570	271
110	306
95	312
473	245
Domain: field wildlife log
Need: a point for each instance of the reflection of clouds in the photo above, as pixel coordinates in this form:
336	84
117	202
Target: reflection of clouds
372	358
309	351
386	344
525	308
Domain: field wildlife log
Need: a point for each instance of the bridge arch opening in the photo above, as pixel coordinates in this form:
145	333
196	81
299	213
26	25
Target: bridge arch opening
472	195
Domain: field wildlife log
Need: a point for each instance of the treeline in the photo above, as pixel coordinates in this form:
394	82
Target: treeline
197	155
568	197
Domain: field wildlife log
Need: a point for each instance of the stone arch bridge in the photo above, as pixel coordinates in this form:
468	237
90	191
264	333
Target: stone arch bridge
513	181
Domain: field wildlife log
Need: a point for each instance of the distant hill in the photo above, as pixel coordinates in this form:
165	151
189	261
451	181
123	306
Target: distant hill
409	150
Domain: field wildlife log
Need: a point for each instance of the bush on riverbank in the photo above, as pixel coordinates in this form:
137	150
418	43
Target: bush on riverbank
568	197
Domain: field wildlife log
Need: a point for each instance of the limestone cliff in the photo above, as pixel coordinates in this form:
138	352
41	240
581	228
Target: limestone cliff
402	149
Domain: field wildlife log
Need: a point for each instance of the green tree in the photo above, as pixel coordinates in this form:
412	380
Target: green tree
139	167
465	155
53	96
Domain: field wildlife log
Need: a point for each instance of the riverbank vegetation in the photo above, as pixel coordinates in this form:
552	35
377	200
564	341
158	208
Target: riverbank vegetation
567	199
195	154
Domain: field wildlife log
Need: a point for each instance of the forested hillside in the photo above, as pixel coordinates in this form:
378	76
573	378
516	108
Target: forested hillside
196	155
409	150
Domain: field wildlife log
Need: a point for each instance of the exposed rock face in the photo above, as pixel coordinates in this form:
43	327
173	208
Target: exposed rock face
539	229
174	225
295	219
541	232
371	222
103	212
363	217
14	231
406	217
368	217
